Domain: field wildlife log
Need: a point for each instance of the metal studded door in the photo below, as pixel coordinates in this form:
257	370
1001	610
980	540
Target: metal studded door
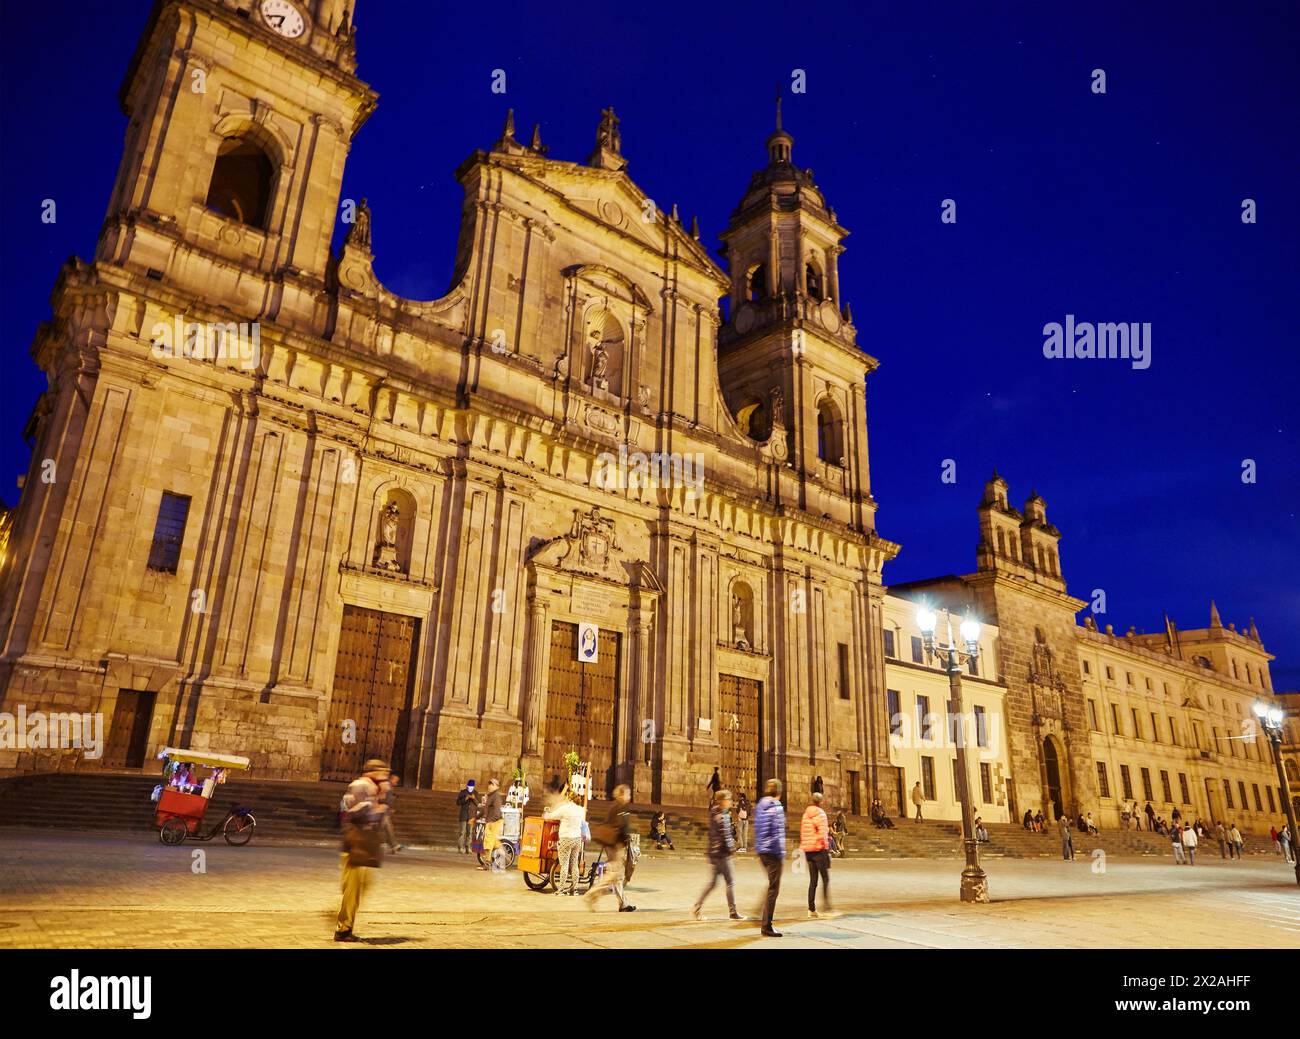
738	736
374	679
581	705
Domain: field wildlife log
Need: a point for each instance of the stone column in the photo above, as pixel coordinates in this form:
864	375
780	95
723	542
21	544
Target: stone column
833	274
538	661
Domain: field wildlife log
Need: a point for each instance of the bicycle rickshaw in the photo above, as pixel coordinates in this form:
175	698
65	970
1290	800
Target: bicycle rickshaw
183	803
512	814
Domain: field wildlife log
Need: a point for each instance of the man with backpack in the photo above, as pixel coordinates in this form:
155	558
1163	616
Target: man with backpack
363	816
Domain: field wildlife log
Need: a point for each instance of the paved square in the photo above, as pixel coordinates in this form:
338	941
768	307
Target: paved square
67	890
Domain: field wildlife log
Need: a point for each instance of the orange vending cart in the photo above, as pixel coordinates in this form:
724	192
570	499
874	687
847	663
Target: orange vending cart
537	851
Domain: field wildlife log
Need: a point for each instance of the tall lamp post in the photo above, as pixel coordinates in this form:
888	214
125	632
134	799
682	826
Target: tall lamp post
974	884
1271	717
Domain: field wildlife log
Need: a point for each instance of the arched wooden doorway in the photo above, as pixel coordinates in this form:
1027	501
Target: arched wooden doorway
1052	768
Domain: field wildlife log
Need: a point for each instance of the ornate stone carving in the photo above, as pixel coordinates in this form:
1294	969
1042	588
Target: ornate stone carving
386	557
589	545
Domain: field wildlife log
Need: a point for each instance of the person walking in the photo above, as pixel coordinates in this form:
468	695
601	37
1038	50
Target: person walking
1176	839
363	848
388	797
615	834
1236	840
713	786
466	809
493	822
569	845
742	816
769	844
917	798
659	832
1190	842
1151	817
722	845
1288	845
815	843
1221	835
1067	841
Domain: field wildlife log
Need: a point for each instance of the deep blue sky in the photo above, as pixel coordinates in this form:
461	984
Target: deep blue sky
1122	207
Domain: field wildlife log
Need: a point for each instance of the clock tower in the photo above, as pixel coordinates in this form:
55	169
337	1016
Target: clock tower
241	116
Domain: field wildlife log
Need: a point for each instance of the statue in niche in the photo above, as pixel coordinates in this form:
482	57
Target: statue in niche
738	633
386	553
599	362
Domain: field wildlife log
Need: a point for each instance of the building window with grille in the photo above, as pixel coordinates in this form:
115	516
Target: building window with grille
1182	788
169	533
986	783
1245	805
1146	784
1227	792
1087	668
1254	789
973	666
1173	732
918	651
1137	723
927	778
1114	719
1155	727
1092	716
889	644
1272	805
1165	788
981	727
1126	782
1103	784
895	713
844	672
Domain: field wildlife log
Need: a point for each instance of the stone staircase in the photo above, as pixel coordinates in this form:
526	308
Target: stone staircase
307	812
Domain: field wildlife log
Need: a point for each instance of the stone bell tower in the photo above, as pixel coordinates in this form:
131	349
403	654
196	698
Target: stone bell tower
1018	586
241	116
789	364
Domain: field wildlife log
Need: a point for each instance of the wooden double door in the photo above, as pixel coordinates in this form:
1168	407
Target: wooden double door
582	707
128	735
740	734
374	684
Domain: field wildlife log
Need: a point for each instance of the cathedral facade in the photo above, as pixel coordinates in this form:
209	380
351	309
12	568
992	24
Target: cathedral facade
573	505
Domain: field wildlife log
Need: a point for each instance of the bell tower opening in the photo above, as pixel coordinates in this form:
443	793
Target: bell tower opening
242	182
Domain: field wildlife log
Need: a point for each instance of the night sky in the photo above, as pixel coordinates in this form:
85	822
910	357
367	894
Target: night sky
1118	207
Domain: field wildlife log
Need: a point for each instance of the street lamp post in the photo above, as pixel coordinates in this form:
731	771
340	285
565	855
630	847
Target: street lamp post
974	883
1271	717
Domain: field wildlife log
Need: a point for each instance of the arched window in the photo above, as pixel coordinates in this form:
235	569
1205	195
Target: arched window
830	433
813	279
241	183
753	421
756	282
1002	544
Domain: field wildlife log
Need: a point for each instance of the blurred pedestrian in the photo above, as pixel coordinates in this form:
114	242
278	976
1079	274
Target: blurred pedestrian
1176	840
659	832
769	844
1221	835
1236	840
1190	841
388	798
615	833
721	846
742	821
918	798
363	848
713	786
1067	841
815	843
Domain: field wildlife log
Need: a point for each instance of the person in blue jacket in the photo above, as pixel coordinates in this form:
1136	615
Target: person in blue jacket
769	844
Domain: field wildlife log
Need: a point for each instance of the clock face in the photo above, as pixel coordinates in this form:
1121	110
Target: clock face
284	18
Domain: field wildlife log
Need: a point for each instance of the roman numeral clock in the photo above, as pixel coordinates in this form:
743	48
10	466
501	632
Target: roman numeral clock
283	17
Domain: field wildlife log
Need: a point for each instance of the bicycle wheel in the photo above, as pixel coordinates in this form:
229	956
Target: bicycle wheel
238	829
503	856
536	881
174	831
